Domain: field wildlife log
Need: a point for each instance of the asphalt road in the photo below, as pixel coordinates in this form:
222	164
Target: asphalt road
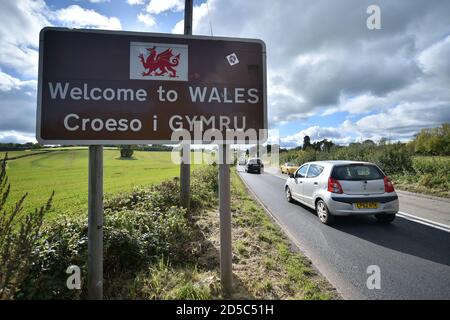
425	207
414	259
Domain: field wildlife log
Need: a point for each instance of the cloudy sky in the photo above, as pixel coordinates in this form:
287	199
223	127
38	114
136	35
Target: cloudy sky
329	76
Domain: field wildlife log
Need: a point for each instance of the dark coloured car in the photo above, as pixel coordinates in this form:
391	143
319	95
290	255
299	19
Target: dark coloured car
254	165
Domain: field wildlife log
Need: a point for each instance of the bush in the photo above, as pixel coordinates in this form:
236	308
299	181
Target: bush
204	187
132	241
140	228
126	151
392	159
433	172
432	141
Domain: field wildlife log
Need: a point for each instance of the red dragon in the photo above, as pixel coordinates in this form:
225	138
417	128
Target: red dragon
164	61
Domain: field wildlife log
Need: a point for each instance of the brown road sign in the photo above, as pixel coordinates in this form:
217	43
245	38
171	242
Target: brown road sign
112	87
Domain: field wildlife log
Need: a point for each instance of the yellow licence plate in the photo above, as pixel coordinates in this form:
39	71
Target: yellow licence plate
366	205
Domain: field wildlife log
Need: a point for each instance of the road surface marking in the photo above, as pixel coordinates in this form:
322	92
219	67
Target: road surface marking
424	221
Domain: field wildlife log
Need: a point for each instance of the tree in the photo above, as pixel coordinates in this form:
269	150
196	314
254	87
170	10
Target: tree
368	143
327	145
306	142
382	142
433	141
126	151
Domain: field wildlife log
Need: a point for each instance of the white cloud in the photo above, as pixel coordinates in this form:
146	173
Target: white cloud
198	14
17	104
12	136
402	121
19	37
147	19
337	135
135	2
75	16
99	1
19	34
435	59
8	82
159	6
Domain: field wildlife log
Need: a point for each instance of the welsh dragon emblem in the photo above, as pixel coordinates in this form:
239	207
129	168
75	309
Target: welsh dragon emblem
160	63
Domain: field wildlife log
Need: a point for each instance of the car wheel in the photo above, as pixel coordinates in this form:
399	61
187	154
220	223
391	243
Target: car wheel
259	171
323	213
288	195
385	218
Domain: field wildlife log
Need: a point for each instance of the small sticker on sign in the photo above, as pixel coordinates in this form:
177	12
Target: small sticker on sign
232	59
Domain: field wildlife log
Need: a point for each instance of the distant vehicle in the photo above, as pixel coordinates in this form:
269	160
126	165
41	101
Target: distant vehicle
342	188
242	162
288	168
254	165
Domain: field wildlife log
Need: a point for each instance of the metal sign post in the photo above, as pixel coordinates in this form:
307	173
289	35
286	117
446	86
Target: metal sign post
95	223
226	272
185	168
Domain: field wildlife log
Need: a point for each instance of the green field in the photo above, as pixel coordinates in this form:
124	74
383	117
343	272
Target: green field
66	172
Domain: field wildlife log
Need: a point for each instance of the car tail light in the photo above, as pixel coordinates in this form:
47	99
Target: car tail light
334	186
388	185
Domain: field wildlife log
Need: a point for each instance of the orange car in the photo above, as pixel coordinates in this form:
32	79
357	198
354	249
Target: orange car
288	168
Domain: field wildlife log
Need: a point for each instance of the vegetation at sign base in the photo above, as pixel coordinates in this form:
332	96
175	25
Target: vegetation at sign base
422	165
153	249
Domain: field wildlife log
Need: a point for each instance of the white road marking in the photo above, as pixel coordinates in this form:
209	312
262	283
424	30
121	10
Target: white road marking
424	221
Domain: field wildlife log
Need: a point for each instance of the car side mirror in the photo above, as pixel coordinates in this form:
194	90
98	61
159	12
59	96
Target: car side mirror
291	175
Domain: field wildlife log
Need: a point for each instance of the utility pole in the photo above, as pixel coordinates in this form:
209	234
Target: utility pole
95	223
185	166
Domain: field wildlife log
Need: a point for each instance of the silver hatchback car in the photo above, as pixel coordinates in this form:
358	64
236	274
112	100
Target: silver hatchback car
342	188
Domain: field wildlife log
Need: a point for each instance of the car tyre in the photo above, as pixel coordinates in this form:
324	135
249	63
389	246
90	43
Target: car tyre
323	213
288	195
385	218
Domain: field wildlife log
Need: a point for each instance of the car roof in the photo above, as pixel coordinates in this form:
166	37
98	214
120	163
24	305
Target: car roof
337	162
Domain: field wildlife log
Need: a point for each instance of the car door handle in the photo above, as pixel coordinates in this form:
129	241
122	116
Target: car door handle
316	183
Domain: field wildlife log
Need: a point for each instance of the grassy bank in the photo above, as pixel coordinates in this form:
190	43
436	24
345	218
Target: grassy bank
156	250
430	175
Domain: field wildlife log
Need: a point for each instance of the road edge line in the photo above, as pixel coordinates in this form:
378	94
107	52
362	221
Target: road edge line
424	221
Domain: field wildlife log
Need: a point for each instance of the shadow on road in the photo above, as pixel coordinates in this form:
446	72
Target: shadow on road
402	235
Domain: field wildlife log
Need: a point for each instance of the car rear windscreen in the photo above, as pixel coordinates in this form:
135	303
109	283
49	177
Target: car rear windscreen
356	172
254	161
